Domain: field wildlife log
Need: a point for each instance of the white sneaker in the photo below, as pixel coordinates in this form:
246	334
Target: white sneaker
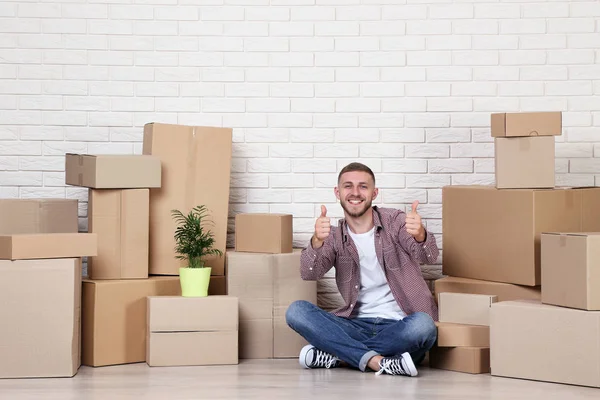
402	365
311	357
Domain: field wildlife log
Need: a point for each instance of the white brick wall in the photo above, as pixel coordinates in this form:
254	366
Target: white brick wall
307	85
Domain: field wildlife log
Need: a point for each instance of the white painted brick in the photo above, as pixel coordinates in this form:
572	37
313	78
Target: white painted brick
523	26
427	89
312	14
403	43
39	41
270	196
337	59
83	73
50	72
574	150
382	150
21	118
357	135
484	165
357	105
436	104
450	166
403	12
291	29
576	119
574	180
474	89
583	103
450	73
546	73
39	10
584	72
247	90
268	75
325	181
381	89
547	41
297	210
475	150
571	57
109	27
200	28
291	59
429	58
291	90
522	57
448	135
313	105
449	42
295	180
587	166
574	88
222	13
427	120
495	11
40	102
373	163
192	119
473	179
337	28
76	193
131	12
404	104
357	13
164	74
405	166
86	42
426	27
245	120
237	196
8	41
403	135
496	73
8	102
488	42
312	44
387	120
382	28
168	89
8	10
585	9
165	104
22	148
337	90
312	75
313	195
217	104
267	14
21	56
14	25
246	29
288	2
214	74
120	134
42	192
12	132
41	163
176	44
110	148
571	25
546	103
268	105
12	178
155	28
291	150
362	74
427	151
63	57
357	44
267	135
110	119
20	87
496	104
312	135
476	57
336	151
101	57
405	196
8	71
314	165
475	27
179	13
451	11
482	135
40	133
137	73
582	134
390	181
86	11
382	59
545	10
10	163
269	165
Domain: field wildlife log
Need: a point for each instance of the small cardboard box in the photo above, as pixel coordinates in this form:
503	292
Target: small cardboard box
40	314
112	171
472	360
521	124
266	284
120	218
194	159
571	270
503	291
48	245
192	331
492	234
275	233
461	335
38	216
524	162
465	308
530	340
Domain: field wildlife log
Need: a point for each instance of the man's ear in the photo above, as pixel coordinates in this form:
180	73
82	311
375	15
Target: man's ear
375	193
337	192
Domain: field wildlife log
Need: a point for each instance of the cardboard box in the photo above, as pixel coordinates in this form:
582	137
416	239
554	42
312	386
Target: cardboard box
112	171
192	330
40	314
276	233
193	160
461	335
571	270
503	291
472	360
266	284
494	235
38	216
465	308
521	124
524	162
217	286
120	218
47	245
536	341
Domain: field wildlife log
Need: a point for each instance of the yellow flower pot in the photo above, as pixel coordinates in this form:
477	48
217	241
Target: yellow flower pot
194	281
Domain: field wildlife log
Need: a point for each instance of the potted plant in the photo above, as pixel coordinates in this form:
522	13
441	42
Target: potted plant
193	243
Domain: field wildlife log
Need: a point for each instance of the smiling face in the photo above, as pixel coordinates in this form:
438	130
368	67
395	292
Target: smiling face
356	192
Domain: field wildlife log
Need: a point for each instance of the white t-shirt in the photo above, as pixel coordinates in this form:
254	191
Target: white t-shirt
375	298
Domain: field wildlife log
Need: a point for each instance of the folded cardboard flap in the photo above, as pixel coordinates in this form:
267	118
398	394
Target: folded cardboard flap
521	124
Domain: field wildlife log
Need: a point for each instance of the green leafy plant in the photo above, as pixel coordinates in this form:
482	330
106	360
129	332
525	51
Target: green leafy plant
192	241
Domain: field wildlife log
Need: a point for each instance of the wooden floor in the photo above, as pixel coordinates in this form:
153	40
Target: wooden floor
278	379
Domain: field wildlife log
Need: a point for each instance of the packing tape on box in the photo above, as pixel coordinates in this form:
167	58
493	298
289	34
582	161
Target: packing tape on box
80	179
570	198
190	177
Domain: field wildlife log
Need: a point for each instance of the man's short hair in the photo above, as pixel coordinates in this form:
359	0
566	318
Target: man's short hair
356	166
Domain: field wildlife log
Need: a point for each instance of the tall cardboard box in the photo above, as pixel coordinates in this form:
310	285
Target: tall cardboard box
266	284
120	218
196	169
571	270
530	340
276	233
503	291
524	162
192	330
522	124
492	234
38	216
40	314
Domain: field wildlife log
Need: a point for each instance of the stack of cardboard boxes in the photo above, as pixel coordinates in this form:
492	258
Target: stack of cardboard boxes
40	281
492	235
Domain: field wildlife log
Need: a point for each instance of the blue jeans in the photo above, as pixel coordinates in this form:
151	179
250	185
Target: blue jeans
357	340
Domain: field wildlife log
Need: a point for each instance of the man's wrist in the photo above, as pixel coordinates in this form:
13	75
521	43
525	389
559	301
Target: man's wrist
316	243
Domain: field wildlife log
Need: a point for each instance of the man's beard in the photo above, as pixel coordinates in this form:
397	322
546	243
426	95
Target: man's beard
357	214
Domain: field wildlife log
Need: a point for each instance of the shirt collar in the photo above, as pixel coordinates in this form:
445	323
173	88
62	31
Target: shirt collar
376	222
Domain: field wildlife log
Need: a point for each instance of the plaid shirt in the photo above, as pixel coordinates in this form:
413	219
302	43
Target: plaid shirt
398	253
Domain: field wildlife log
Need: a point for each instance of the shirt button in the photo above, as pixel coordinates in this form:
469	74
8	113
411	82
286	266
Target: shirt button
351	304
356	287
311	268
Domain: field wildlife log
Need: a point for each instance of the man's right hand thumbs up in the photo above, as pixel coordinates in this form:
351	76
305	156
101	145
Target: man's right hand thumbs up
322	228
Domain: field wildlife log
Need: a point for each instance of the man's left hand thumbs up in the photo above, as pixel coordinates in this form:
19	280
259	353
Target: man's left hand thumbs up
414	226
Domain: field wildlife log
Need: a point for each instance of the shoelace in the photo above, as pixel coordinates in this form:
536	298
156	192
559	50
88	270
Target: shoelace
391	366
324	360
